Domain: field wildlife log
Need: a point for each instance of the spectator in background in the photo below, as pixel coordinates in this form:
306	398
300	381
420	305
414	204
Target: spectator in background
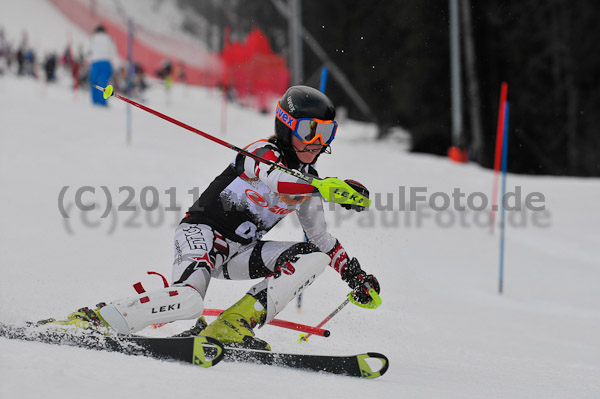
139	80
72	64
21	60
103	51
81	68
181	73
30	63
165	70
4	53
50	67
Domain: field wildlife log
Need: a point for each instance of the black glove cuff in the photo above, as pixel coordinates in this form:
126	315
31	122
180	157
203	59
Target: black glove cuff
351	273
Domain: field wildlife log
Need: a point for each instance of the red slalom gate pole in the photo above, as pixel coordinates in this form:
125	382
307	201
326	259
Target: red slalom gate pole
281	323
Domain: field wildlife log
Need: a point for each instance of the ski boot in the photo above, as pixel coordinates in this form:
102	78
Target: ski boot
234	326
84	318
200	325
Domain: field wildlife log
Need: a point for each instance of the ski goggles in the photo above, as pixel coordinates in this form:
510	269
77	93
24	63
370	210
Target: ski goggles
309	130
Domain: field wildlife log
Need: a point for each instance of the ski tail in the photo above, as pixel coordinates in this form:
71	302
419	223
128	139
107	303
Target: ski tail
200	351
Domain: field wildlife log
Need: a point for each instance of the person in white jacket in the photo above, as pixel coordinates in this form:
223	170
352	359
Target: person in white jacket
102	52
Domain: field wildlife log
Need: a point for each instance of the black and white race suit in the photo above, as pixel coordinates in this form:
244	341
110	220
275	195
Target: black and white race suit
221	234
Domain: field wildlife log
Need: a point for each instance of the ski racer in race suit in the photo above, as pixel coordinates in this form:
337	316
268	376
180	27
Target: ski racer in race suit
220	236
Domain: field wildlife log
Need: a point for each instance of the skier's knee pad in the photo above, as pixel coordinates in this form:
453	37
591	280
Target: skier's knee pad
291	282
160	306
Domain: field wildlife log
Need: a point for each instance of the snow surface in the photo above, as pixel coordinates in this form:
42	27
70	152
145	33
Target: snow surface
442	324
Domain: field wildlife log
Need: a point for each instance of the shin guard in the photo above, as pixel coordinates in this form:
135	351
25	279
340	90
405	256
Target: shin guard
160	306
281	290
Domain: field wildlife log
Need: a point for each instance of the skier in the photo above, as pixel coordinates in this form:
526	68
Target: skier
220	236
102	52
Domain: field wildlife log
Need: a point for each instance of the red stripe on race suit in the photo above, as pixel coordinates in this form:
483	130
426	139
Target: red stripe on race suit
294	188
270	156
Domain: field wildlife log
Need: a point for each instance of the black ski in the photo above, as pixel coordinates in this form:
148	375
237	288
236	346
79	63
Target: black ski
354	365
201	351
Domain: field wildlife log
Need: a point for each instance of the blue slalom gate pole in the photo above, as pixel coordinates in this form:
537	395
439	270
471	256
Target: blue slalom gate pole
129	76
503	212
323	84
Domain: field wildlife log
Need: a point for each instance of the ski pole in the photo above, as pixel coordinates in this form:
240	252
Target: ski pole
331	188
304	337
373	304
280	323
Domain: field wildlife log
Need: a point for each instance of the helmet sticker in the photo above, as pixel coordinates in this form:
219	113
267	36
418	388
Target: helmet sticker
291	104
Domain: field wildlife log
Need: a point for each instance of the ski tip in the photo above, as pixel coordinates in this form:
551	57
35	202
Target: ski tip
108	91
366	367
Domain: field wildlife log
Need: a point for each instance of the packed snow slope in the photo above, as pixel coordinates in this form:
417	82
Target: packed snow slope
442	324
